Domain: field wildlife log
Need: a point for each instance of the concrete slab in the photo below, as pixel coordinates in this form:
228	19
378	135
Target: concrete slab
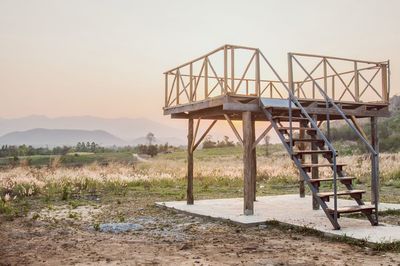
293	210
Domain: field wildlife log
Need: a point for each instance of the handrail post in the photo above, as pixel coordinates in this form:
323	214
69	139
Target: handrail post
388	79
177	86
325	77
191	82
226	69
166	90
385	94
206	77
356	82
257	72
232	69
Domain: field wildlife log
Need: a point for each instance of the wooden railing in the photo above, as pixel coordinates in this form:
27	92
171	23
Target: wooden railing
342	79
238	70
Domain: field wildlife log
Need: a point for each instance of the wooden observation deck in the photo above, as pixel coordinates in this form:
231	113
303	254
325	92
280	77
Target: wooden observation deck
239	83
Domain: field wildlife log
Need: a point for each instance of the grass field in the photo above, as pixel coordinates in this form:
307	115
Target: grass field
64	205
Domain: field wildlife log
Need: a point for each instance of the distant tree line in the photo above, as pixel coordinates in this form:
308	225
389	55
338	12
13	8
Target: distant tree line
25	150
209	143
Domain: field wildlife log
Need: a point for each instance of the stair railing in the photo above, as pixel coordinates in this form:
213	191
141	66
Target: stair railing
375	155
294	99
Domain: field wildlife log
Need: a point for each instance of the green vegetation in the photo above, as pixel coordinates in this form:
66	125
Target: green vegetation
388	130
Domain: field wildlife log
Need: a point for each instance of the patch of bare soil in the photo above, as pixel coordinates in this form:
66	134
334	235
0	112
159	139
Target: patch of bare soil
55	237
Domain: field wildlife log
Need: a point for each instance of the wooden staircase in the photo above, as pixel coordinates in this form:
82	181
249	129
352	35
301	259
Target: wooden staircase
342	185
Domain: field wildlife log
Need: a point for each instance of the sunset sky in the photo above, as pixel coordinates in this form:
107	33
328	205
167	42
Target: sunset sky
106	58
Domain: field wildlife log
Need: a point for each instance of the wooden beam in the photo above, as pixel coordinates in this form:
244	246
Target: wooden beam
204	135
242	107
262	136
189	190
195	132
248	207
233	128
359	128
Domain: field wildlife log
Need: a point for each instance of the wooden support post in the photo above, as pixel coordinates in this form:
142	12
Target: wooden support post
374	163
248	208
189	191
254	159
314	170
302	134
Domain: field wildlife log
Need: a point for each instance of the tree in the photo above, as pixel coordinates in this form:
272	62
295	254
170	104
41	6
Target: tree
150	138
152	150
209	143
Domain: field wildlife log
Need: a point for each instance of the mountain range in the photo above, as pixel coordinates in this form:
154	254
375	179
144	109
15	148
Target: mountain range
45	131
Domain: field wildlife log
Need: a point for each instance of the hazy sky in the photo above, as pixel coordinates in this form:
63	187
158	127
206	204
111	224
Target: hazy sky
106	58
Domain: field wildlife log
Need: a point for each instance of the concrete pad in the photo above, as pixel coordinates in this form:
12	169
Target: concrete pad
292	210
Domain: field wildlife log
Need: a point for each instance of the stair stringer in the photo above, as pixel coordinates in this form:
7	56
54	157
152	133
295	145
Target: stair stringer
303	173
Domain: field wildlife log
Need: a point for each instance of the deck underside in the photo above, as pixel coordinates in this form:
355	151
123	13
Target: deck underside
215	108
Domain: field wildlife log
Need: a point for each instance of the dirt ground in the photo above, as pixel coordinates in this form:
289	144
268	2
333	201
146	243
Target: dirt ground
65	235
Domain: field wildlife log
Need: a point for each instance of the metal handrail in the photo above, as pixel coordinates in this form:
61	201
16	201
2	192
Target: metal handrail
370	148
294	99
314	125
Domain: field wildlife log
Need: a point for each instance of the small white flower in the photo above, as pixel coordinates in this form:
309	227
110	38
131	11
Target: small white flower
7	197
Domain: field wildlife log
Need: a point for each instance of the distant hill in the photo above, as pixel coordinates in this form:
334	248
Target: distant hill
41	137
128	129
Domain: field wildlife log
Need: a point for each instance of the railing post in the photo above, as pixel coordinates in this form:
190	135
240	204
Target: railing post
290	73
257	72
356	82
325	77
385	94
333	87
177	86
191	82
205	77
225	69
232	69
166	90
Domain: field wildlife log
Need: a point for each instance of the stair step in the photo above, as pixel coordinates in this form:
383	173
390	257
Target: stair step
351	209
344	180
294	118
307	167
300	152
305	140
355	193
297	128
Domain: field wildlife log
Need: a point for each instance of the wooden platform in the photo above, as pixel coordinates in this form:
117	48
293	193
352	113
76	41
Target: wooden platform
233	105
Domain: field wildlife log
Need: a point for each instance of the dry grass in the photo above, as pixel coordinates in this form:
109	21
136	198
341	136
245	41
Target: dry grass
26	181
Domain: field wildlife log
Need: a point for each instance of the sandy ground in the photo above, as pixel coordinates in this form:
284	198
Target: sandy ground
63	235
